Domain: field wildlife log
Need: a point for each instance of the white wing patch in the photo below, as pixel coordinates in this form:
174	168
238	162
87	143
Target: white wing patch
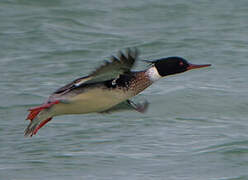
82	81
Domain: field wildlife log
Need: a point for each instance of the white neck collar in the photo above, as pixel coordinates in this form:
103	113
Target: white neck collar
153	74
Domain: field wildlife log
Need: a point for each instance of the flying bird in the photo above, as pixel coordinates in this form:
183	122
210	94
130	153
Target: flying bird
107	89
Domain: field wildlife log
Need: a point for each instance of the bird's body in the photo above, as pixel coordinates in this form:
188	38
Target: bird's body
99	97
105	90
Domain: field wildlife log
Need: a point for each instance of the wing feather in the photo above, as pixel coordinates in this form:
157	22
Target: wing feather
115	67
109	70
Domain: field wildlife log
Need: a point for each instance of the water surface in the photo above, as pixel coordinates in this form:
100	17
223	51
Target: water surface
196	126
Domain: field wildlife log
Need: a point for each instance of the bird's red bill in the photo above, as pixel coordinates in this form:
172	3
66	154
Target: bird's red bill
195	66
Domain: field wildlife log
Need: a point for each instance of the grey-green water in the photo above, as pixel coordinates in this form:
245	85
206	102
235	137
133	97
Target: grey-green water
196	126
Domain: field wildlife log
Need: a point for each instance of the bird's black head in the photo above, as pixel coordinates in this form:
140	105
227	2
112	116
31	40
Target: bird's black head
174	65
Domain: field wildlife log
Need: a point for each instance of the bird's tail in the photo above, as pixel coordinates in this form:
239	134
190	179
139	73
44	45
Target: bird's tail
38	117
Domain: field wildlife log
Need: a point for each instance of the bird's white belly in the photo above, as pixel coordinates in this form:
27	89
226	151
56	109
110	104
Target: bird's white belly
94	100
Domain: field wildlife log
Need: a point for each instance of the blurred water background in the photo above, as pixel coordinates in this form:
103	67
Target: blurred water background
196	127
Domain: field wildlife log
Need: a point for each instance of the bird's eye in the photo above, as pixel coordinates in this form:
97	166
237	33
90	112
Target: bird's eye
181	63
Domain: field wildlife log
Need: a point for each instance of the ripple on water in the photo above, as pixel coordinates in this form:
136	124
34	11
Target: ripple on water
196	125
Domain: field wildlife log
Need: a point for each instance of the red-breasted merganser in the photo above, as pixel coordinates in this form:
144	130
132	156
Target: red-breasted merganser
107	89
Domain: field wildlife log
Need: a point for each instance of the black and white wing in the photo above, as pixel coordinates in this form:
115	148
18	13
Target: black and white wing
112	69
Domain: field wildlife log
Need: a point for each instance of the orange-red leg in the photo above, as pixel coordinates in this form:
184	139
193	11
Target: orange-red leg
41	125
36	110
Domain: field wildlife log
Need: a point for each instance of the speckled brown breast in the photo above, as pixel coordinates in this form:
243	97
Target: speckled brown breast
139	83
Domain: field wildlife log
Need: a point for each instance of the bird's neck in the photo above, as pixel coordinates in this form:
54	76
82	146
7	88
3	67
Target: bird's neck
152	74
143	79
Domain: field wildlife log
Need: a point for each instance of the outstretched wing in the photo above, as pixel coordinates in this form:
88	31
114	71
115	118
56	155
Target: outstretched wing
110	70
129	105
71	85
